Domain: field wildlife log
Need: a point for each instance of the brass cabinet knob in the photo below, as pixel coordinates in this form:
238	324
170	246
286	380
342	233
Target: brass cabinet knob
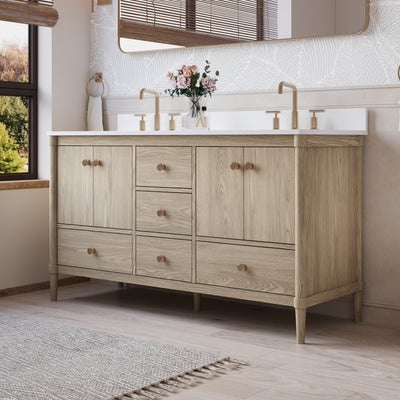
242	267
91	251
249	165
162	259
235	165
96	163
161	213
85	162
161	167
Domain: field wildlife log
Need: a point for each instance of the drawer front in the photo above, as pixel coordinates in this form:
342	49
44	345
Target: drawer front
246	267
164	212
109	252
164	166
164	258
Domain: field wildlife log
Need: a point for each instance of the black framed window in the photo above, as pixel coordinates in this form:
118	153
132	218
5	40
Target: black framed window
18	101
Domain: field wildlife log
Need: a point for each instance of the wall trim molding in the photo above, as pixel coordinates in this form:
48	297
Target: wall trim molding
252	92
40	286
381	305
372	313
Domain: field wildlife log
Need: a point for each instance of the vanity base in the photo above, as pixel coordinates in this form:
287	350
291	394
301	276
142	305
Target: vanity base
198	290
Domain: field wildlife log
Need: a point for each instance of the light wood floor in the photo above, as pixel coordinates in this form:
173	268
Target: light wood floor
342	360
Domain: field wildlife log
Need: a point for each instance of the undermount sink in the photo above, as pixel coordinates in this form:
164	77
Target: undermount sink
349	119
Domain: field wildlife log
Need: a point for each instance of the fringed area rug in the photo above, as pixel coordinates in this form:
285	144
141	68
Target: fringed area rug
48	361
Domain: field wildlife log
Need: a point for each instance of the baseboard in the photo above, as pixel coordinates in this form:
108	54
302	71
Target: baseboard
40	286
372	313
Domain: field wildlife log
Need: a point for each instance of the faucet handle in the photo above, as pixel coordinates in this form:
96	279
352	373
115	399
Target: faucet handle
314	119
142	121
276	119
172	121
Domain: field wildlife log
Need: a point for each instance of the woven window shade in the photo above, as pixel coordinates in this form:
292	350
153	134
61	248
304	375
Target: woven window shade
33	12
271	20
197	22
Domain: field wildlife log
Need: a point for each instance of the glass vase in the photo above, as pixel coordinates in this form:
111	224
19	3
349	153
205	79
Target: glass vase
195	119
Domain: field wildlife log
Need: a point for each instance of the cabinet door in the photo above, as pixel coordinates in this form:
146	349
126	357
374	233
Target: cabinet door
269	195
219	192
113	186
75	185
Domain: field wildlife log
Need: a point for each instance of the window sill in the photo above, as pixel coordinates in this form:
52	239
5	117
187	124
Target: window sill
26	184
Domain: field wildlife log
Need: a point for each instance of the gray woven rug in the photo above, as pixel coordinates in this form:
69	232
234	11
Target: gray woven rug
48	361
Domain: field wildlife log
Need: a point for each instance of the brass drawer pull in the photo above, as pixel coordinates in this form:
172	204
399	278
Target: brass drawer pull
161	259
85	162
161	167
161	213
235	165
249	165
242	267
91	251
96	163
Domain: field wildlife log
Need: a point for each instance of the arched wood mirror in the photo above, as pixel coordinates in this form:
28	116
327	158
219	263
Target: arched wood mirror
146	25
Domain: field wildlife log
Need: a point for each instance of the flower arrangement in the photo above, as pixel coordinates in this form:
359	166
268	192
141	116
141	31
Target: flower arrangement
189	81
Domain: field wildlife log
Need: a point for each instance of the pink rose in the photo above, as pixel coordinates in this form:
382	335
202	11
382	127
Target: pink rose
182	82
173	83
209	84
169	75
187	72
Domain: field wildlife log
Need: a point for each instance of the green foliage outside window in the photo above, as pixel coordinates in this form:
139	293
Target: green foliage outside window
14	110
10	160
14	115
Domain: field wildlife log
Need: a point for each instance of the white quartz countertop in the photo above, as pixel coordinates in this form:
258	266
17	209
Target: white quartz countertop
349	121
192	132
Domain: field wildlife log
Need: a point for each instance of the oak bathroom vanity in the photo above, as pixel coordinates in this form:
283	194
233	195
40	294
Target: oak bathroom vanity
266	217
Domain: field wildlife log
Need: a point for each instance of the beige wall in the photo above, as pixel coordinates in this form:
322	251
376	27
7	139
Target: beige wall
24	237
70	54
64	71
348	16
313	18
326	17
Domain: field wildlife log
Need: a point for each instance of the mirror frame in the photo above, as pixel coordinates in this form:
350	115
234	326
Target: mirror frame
361	30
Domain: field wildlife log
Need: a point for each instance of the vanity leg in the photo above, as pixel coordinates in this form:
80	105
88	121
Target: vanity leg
53	286
357	298
196	302
301	325
120	285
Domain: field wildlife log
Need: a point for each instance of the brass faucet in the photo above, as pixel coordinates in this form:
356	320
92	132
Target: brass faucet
157	111
295	114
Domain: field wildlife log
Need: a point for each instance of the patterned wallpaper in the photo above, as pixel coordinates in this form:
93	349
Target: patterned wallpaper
369	59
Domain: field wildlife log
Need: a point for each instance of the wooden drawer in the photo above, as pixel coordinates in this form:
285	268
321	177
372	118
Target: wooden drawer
164	212
266	270
177	162
113	252
150	261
